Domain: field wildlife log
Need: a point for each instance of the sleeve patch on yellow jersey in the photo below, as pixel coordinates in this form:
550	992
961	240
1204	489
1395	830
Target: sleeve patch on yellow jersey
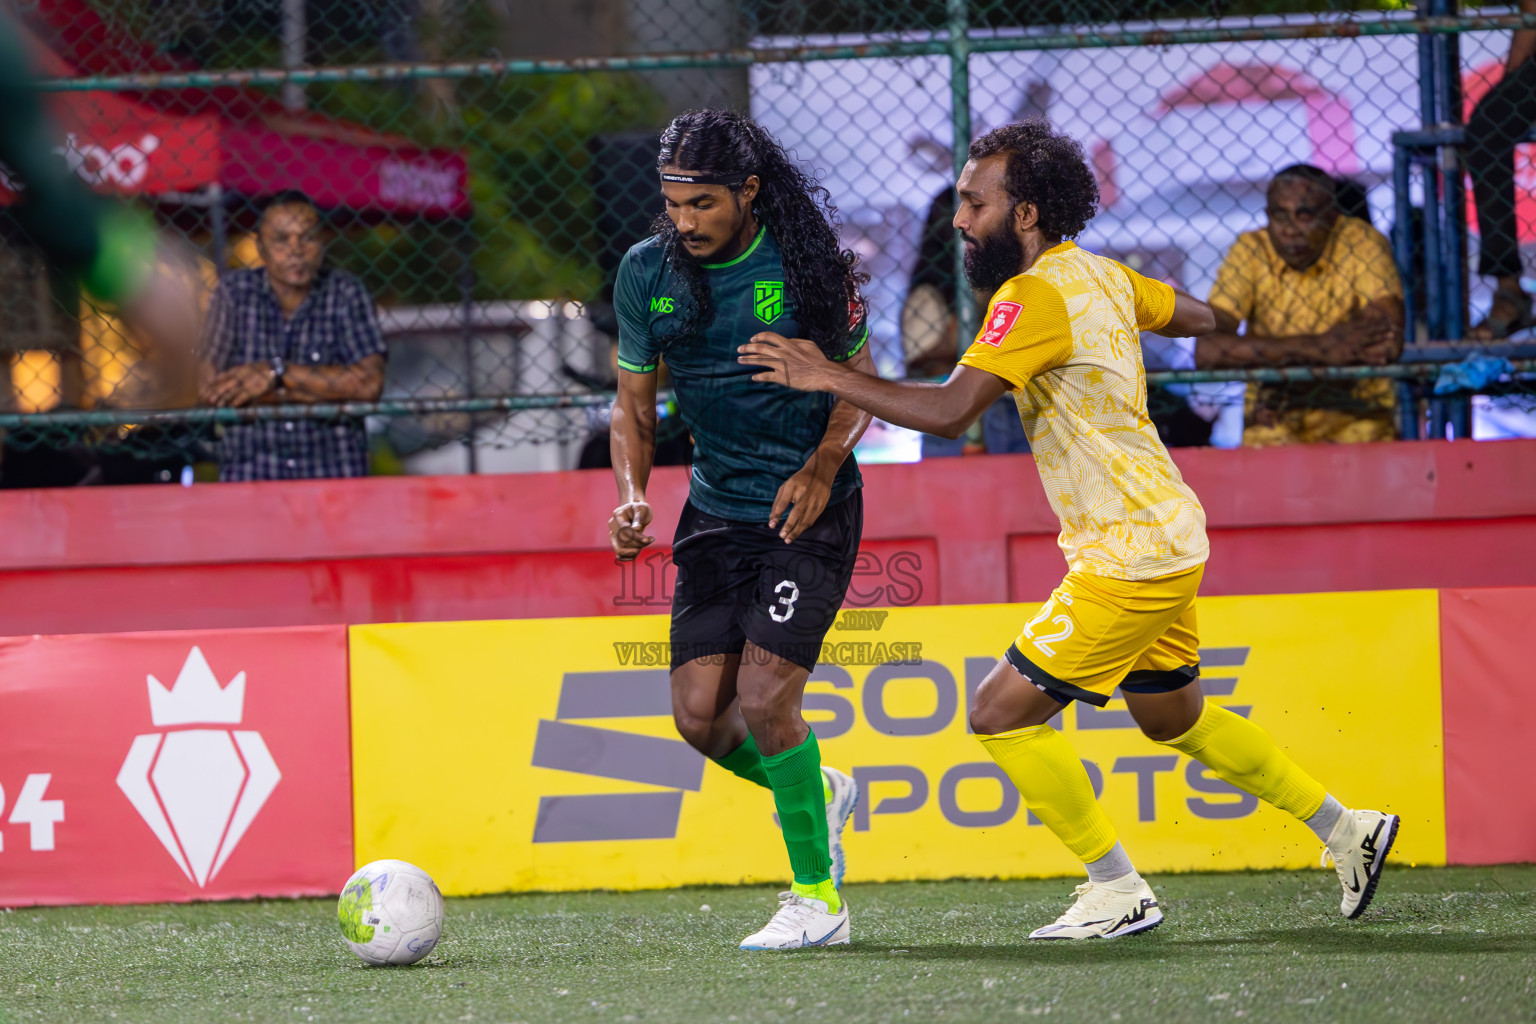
1004	314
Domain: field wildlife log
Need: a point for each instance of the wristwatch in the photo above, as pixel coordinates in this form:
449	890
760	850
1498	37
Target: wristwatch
278	369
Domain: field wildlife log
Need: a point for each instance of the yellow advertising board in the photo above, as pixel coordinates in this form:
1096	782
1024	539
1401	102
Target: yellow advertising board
539	754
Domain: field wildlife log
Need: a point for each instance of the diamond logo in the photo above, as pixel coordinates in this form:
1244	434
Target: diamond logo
198	789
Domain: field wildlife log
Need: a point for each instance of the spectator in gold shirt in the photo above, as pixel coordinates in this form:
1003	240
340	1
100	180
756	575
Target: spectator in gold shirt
1315	288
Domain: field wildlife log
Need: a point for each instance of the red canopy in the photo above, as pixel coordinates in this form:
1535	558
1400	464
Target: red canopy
151	144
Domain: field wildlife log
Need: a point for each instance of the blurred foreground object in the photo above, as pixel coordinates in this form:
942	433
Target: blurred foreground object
113	252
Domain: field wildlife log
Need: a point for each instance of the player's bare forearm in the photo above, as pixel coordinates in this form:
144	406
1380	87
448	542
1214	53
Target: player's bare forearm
632	434
945	409
1191	317
846	424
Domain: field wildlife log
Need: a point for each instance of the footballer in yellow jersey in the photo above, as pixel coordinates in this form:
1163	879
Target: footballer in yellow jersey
1062	334
1064	337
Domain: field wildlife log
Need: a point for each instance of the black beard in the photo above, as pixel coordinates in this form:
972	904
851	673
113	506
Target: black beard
993	260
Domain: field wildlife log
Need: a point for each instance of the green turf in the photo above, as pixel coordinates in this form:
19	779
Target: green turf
1437	945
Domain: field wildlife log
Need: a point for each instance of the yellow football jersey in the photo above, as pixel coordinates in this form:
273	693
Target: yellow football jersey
1064	335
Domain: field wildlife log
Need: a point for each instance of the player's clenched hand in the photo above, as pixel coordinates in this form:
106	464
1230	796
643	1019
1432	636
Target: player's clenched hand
793	362
808	491
626	529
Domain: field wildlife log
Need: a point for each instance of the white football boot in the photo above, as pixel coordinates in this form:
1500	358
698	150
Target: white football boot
845	797
801	922
1106	910
1358	848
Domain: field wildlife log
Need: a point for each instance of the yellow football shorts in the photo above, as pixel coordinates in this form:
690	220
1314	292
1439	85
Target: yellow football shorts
1096	633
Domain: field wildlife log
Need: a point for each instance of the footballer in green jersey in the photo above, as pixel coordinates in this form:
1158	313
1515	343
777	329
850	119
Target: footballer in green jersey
767	541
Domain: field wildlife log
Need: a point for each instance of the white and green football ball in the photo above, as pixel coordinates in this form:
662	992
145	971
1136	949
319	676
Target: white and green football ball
391	913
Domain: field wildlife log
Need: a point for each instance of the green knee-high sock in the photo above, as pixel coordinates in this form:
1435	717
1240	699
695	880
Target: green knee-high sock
746	762
795	775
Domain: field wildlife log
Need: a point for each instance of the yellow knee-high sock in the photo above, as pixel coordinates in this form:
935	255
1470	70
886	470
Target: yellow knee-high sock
1246	756
1047	771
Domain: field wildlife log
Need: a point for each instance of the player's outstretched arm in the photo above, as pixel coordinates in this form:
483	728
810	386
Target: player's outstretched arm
808	490
632	443
945	409
1191	317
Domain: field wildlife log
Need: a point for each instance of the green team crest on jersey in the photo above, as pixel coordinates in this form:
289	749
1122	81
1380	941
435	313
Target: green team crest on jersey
768	300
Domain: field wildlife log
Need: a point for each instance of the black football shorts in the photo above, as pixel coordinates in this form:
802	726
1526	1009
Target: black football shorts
738	581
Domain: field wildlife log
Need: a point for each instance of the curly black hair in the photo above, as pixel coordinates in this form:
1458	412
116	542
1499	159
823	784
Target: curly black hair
1046	168
820	275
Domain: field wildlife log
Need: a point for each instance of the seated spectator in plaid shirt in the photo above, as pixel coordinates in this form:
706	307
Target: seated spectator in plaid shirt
1316	288
292	331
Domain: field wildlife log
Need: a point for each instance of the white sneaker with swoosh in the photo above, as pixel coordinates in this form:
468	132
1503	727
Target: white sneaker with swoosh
801	922
1106	910
1358	847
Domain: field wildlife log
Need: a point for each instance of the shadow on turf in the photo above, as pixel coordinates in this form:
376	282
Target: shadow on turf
1358	940
1040	952
1341	940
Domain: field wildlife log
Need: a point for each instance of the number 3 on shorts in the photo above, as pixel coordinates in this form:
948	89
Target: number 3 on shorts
1044	642
788	593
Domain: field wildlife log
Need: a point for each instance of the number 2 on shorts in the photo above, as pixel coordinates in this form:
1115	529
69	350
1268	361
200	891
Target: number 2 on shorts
1044	642
784	607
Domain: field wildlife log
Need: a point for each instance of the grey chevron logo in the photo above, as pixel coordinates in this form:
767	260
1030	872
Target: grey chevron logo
1219	686
566	746
1230	658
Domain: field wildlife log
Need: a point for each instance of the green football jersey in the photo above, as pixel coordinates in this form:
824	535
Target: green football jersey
749	437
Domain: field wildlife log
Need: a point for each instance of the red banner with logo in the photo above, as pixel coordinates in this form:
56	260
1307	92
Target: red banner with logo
145	767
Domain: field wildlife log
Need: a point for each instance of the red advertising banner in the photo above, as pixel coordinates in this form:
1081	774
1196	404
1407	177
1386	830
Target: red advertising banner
1489	712
145	767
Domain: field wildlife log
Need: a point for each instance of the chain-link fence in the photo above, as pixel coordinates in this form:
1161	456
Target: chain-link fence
480	166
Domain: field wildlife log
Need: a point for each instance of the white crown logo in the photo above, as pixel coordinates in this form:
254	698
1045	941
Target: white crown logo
197	696
198	790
